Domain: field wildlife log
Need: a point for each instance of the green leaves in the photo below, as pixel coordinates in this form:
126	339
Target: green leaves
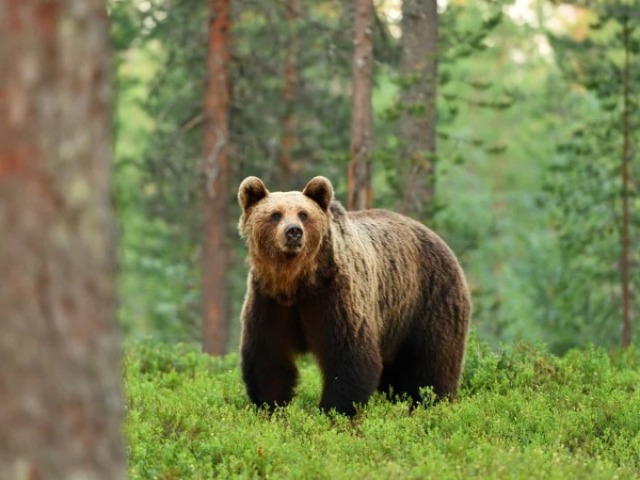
584	182
520	410
527	165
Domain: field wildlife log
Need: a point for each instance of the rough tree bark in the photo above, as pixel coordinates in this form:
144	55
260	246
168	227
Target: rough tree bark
61	403
419	67
625	260
360	194
215	248
289	140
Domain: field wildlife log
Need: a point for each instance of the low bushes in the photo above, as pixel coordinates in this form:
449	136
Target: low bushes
521	413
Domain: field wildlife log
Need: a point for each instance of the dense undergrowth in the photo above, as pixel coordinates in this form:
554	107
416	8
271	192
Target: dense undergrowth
521	413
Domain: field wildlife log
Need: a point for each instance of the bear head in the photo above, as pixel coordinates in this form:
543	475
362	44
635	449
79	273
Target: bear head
281	227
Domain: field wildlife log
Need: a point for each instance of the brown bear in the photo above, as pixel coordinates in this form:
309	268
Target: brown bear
378	299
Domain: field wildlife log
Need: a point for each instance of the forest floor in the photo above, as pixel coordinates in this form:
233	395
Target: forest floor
521	413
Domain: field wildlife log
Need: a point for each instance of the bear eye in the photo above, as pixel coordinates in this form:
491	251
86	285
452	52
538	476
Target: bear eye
276	216
303	216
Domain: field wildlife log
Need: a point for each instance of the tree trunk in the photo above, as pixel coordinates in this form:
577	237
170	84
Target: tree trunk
61	404
359	177
419	68
290	95
215	248
626	131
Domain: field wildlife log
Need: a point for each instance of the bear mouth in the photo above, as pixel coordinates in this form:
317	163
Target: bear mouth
292	248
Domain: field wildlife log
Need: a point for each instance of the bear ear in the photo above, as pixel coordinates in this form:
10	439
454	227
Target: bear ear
320	190
251	191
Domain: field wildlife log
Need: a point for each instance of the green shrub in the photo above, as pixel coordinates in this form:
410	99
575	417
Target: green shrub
521	413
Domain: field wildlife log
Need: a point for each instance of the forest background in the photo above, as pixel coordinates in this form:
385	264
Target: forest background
536	158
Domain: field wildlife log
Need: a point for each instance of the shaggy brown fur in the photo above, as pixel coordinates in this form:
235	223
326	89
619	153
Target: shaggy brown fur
377	298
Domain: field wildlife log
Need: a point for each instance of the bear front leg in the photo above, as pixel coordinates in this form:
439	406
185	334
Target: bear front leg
268	347
346	348
269	380
349	379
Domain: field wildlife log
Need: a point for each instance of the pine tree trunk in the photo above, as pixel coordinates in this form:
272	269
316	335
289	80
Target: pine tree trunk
290	94
419	67
61	403
215	248
359	176
625	259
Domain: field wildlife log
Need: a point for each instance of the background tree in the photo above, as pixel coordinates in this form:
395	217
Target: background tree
61	401
417	127
289	138
215	247
625	178
596	214
360	194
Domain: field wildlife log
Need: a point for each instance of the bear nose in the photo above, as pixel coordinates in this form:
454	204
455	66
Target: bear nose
293	232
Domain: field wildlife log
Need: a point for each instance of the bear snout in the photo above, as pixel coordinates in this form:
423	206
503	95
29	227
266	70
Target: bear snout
293	234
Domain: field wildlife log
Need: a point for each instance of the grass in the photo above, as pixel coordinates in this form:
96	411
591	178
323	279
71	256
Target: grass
521	413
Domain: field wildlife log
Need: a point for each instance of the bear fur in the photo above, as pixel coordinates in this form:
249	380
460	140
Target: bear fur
378	299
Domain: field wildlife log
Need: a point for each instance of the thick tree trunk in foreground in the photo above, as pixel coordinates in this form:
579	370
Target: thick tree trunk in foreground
419	63
289	138
360	194
60	395
215	248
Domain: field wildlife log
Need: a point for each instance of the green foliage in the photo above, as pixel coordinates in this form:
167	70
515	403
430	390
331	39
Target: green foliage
489	177
527	174
158	284
584	186
463	32
159	194
521	412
